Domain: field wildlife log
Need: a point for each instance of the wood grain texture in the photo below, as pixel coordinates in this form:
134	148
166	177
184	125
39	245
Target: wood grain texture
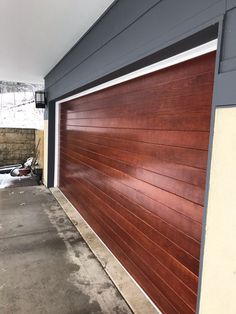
133	161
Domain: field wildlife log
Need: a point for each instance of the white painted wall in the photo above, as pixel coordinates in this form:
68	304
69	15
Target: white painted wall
218	293
45	169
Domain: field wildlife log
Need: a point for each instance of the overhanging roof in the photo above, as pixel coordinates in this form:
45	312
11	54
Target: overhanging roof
35	35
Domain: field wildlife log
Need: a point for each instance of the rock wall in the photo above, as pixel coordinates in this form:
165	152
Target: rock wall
16	145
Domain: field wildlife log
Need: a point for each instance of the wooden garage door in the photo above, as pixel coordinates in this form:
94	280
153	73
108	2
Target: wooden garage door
133	161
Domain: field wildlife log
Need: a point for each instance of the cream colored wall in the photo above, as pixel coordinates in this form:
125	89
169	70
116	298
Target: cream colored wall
218	293
45	170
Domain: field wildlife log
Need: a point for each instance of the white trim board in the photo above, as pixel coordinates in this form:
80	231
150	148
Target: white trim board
184	56
57	144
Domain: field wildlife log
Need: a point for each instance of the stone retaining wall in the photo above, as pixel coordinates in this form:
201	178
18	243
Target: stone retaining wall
16	145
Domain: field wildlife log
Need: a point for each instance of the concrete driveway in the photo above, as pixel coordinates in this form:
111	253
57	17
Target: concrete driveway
45	265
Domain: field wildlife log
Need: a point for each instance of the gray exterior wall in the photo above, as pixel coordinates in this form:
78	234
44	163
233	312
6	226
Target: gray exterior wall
135	29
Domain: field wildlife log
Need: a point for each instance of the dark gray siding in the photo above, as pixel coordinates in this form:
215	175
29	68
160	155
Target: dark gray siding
129	31
231	4
106	29
225	91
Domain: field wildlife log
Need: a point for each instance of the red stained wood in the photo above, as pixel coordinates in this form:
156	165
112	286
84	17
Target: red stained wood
133	162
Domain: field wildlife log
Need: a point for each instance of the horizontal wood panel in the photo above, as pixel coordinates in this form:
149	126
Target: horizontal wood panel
186	173
188	226
198	140
179	204
181	122
185	156
181	188
133	161
164	104
153	234
170	232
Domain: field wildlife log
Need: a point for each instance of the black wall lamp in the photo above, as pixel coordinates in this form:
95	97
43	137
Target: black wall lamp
40	99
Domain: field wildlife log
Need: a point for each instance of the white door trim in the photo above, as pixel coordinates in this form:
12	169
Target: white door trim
57	144
184	56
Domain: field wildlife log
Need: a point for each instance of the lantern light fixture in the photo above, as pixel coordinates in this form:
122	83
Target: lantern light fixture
40	99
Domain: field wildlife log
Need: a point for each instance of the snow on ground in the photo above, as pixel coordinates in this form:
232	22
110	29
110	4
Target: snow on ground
17	106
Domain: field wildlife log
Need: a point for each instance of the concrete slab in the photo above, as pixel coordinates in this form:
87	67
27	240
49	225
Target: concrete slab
45	265
138	301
